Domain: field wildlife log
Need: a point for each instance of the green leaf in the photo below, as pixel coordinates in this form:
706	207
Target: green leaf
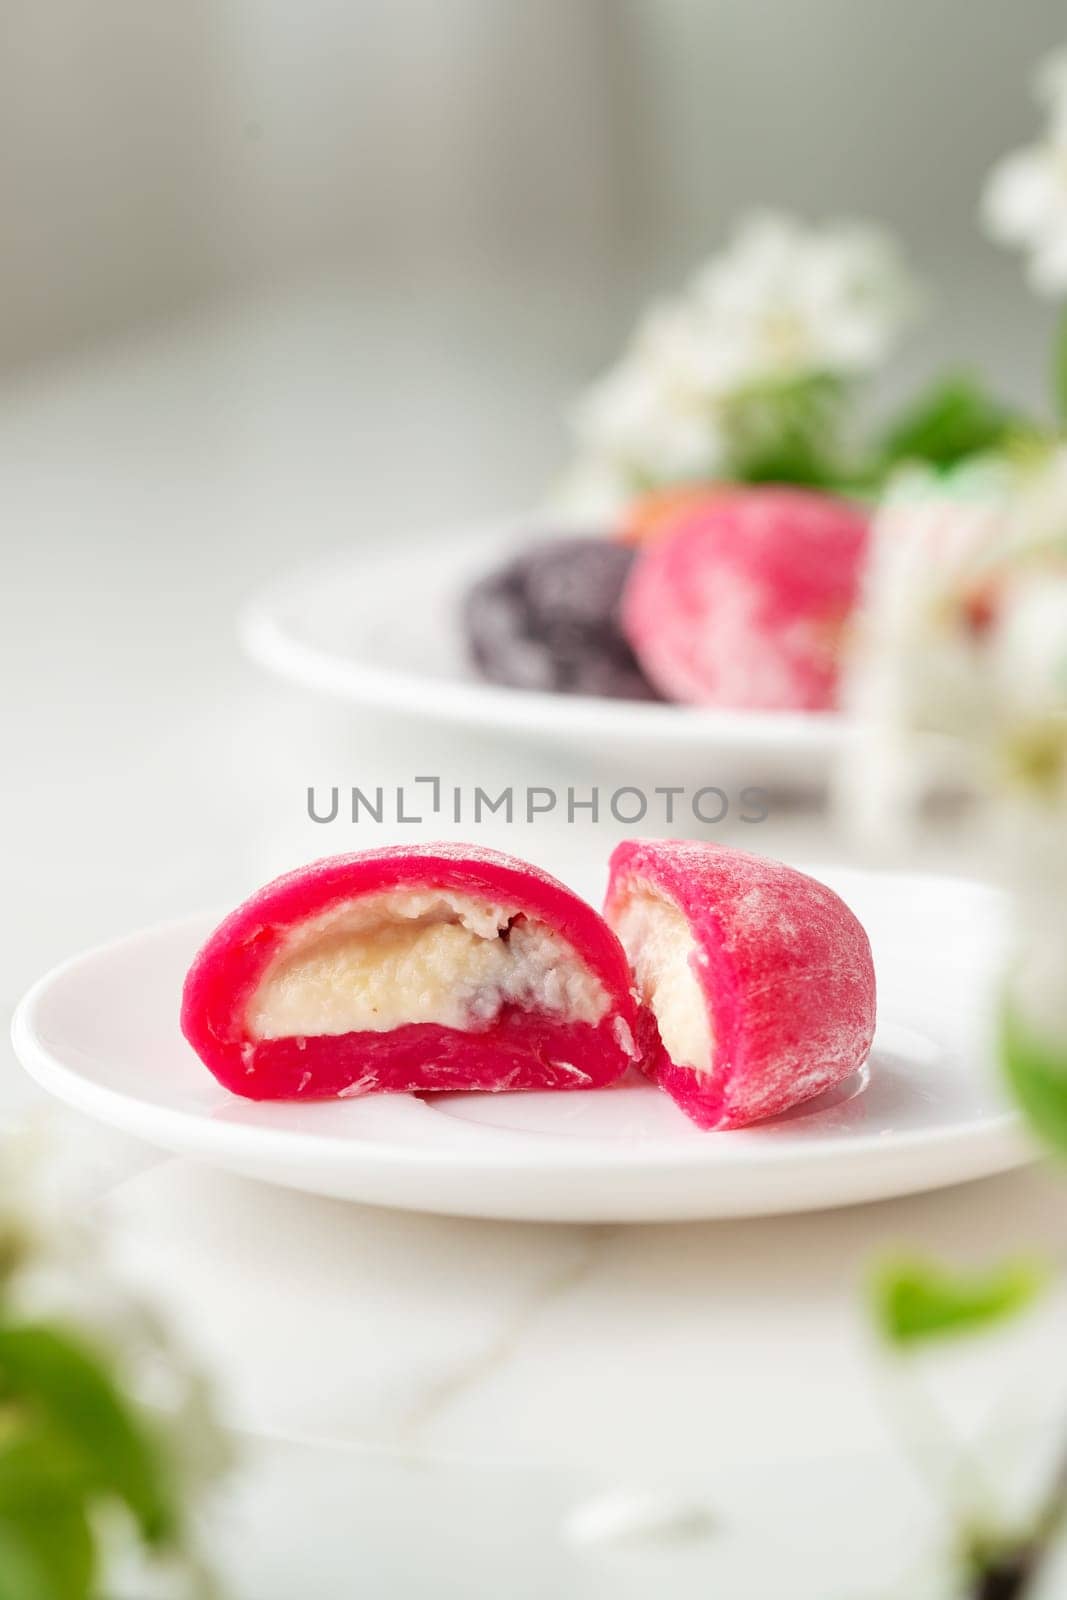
787	432
916	1301
40	1466
69	1398
953	419
46	1554
1059	370
1037	1073
46	1546
21	1575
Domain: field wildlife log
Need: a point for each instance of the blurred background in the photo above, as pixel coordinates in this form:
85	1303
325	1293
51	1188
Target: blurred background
563	157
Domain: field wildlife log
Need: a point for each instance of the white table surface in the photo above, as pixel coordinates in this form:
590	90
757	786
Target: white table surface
150	772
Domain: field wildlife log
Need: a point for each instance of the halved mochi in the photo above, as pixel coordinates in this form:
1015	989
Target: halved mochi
439	967
757	981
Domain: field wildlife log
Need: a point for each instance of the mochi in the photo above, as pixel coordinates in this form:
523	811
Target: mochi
756	981
437	967
549	620
744	600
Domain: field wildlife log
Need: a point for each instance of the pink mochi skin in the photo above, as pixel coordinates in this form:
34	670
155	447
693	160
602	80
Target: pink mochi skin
744	601
785	968
518	1049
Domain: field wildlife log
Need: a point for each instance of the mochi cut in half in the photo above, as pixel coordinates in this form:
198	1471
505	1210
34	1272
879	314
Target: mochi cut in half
757	981
439	967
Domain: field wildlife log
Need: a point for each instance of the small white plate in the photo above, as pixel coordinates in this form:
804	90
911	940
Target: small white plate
101	1032
383	631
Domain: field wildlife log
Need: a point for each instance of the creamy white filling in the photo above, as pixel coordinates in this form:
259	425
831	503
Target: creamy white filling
394	958
662	953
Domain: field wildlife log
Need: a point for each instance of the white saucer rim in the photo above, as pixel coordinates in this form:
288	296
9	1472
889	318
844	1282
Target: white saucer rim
1003	1137
279	650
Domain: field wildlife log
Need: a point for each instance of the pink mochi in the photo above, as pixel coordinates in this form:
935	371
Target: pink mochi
757	981
744	601
439	967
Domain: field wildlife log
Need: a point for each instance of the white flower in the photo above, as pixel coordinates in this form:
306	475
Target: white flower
1038	522
1029	658
914	667
931	548
783	303
963	633
655	1518
654	413
1025	201
593	492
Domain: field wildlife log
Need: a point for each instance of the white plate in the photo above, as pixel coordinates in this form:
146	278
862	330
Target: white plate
382	631
101	1032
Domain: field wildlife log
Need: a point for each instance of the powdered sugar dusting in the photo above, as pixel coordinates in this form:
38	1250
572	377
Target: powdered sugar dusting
785	963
